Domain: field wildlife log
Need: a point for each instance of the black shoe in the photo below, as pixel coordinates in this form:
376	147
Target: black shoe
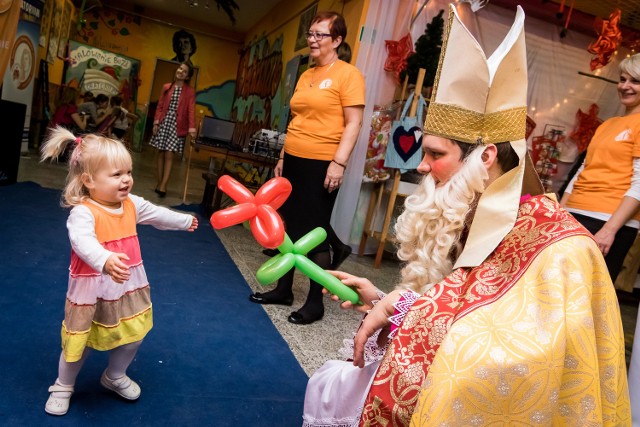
340	255
299	318
265	298
271	252
160	193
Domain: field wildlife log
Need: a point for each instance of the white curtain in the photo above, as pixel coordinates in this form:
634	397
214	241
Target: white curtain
381	24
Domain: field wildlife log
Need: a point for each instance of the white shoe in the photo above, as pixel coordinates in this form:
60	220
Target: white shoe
58	402
124	386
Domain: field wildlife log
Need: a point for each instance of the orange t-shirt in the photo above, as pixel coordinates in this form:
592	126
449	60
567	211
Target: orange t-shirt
317	108
608	166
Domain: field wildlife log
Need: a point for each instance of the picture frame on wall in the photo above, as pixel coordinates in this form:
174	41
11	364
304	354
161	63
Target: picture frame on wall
64	29
45	23
303	27
54	34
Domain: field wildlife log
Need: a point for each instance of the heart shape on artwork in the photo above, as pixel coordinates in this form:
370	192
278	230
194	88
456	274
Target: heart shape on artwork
405	141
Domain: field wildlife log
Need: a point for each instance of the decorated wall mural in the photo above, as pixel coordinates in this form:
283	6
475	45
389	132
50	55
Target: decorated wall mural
123	33
258	98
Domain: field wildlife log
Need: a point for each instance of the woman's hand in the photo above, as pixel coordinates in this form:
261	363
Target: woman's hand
333	180
365	289
277	170
116	268
155	129
604	239
378	318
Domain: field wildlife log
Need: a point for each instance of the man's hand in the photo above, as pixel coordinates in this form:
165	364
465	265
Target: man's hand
378	318
365	289
116	268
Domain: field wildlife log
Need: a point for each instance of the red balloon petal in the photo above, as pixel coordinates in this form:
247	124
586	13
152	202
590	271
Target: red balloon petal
267	227
274	192
235	189
233	215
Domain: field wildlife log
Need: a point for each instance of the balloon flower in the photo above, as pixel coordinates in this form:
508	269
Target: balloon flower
260	210
294	255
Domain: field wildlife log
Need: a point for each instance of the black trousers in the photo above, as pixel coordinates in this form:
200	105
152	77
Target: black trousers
621	244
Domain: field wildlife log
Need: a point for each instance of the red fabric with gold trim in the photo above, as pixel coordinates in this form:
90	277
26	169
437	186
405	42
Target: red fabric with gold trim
397	384
398	51
607	42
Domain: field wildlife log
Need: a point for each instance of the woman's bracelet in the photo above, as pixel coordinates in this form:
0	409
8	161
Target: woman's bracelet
339	164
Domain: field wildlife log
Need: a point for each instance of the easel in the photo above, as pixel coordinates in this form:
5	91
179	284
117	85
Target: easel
376	197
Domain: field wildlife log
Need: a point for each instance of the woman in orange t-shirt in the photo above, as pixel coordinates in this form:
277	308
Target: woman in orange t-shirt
604	194
327	107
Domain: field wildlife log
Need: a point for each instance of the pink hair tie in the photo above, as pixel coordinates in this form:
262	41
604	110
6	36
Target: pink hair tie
78	141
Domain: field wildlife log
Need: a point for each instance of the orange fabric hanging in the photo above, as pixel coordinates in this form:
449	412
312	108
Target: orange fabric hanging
608	40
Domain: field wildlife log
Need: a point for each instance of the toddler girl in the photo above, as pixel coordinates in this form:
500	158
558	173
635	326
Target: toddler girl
108	304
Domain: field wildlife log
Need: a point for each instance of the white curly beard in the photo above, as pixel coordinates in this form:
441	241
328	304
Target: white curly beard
428	231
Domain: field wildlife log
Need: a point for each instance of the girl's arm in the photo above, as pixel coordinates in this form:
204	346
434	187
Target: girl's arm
81	122
161	217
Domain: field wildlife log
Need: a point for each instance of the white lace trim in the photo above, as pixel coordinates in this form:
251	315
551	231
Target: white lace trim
334	422
402	306
372	352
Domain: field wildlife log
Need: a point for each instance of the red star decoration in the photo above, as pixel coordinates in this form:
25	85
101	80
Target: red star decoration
398	52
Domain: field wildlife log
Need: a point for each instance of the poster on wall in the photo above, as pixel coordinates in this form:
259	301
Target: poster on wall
100	71
45	23
64	29
19	77
303	27
54	33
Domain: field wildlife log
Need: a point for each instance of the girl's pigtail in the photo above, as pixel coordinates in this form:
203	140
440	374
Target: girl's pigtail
56	143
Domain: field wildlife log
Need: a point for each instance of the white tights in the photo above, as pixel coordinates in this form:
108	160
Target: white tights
119	360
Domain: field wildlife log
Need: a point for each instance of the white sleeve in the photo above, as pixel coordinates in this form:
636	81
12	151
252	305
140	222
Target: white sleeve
160	217
84	242
634	190
569	188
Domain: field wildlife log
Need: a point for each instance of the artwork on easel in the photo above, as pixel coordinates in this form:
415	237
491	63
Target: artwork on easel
64	29
303	27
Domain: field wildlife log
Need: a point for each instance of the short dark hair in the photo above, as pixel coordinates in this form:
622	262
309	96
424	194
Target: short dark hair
182	34
337	24
507	157
100	98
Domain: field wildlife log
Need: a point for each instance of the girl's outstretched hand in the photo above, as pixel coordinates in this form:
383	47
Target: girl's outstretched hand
116	268
365	289
194	224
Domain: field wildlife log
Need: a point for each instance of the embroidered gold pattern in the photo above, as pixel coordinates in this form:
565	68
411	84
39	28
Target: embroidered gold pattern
403	372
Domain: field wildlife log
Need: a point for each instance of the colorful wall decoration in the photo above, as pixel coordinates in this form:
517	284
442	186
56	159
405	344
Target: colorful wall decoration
19	77
258	96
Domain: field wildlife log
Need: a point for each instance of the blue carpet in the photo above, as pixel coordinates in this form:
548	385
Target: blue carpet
212	358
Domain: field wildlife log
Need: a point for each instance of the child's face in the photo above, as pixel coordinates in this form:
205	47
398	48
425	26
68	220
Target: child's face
110	185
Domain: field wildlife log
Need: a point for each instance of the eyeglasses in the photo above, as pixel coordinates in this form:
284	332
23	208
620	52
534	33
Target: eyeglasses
316	35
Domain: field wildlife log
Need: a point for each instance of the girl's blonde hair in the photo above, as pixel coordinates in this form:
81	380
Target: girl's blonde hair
90	154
